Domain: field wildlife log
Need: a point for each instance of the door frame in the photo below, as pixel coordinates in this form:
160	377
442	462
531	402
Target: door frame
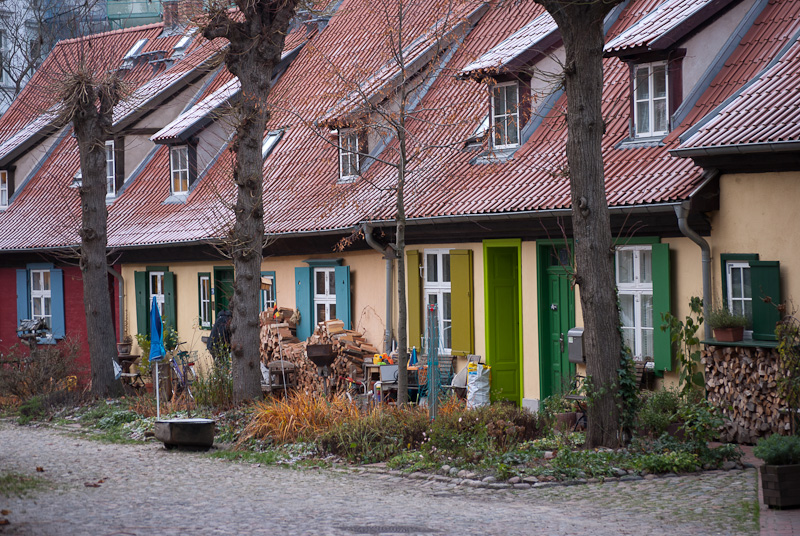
515	243
544	246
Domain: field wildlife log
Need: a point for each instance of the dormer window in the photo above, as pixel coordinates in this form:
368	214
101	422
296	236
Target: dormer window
650	99
349	155
4	189
136	49
270	141
179	169
111	170
505	115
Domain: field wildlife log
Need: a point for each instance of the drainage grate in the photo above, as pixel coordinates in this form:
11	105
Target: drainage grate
387	529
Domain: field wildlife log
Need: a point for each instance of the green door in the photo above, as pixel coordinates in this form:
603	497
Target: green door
503	316
223	289
556	317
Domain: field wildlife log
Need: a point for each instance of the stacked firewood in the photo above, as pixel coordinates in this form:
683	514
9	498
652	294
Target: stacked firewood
349	346
742	382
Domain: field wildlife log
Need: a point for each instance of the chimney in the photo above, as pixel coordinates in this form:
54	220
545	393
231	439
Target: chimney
169	8
178	13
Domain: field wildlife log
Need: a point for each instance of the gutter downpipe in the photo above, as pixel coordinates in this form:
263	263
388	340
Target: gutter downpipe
121	285
388	254
682	211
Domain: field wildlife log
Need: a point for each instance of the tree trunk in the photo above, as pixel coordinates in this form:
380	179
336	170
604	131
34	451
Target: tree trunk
91	128
256	44
581	26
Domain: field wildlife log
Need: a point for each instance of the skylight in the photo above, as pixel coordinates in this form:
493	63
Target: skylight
185	40
136	49
270	140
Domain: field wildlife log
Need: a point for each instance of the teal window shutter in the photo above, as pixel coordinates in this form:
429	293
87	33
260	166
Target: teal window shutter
662	346
170	311
342	274
765	282
304	295
142	308
23	296
58	329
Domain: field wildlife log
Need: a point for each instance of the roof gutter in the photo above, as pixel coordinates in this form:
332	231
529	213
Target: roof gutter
740	149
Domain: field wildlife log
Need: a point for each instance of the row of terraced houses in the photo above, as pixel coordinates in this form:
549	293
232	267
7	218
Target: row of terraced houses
702	173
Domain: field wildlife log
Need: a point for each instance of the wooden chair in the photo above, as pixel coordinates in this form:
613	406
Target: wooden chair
282	375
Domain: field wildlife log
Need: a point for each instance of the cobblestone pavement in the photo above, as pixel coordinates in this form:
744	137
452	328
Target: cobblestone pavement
145	489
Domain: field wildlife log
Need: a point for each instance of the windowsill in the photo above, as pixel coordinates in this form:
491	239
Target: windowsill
638	143
176	199
110	198
348	179
495	156
742	344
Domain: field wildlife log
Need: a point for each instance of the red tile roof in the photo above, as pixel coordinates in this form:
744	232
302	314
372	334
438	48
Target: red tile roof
301	194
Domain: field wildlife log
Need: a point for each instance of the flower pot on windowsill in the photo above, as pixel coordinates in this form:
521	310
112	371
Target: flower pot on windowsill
124	348
729	334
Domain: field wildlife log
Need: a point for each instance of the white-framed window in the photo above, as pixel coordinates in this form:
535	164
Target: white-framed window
111	184
4	188
179	169
205	300
436	290
349	158
651	99
635	288
740	291
505	115
41	297
324	294
156	282
268	292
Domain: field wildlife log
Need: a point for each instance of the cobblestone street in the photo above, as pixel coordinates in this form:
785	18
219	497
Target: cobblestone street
145	489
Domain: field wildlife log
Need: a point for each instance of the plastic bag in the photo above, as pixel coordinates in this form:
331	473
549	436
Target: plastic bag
117	370
477	385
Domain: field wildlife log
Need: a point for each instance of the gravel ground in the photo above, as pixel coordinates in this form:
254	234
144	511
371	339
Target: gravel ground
105	489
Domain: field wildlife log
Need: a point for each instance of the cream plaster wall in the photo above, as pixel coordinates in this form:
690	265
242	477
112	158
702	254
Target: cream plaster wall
27	162
757	215
136	149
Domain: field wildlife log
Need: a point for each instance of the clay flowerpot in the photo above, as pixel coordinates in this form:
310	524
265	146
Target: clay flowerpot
729	334
124	348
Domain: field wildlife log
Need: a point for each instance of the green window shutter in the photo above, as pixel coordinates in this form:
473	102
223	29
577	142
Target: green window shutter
170	311
414	288
58	329
765	282
23	296
142	309
662	346
461	277
342	275
304	295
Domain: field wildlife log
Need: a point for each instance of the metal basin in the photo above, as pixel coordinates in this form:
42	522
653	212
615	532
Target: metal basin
322	355
192	433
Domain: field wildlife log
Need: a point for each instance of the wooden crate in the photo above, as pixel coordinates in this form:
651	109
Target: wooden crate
781	485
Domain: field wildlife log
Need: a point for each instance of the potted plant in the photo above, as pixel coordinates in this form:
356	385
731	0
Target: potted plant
780	474
124	347
727	326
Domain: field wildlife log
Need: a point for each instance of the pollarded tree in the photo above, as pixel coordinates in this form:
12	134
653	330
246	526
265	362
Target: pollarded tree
581	27
256	33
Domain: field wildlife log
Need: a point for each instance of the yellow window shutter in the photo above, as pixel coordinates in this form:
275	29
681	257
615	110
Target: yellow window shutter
414	290
463	328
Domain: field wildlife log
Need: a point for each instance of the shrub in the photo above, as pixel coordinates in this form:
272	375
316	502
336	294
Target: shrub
657	411
51	368
214	387
778	450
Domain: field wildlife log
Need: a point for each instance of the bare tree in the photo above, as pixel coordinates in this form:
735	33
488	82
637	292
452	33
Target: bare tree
383	109
256	34
581	26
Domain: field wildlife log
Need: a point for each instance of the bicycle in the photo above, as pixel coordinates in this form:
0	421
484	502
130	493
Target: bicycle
182	373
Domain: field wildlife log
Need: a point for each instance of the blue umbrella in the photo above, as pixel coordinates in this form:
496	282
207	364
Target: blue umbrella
157	350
